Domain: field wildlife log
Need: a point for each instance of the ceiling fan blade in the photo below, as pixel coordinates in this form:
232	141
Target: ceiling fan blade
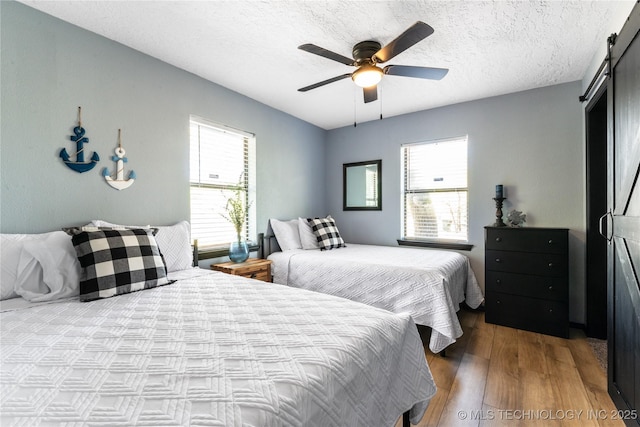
370	93
324	82
417	72
317	50
404	41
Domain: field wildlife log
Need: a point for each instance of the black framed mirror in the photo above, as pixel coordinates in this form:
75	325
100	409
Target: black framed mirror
362	186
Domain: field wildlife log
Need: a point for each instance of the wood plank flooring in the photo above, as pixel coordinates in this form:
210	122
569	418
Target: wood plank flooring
499	376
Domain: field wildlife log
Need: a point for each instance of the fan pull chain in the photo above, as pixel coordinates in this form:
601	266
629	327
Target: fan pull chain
355	95
380	100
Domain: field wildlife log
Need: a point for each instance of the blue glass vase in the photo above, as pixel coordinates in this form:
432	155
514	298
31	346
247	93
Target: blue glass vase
238	251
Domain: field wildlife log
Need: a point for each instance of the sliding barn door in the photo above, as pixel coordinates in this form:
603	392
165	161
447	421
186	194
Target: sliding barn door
623	220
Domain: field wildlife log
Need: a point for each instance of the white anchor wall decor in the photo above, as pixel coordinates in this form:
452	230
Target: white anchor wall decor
79	165
119	183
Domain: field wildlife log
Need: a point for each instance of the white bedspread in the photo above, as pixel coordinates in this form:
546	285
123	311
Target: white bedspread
428	284
215	350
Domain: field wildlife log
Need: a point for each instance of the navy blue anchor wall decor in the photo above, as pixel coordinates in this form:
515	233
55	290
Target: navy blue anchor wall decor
119	183
79	165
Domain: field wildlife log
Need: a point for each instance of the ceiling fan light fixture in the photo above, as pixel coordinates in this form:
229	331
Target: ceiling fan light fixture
367	75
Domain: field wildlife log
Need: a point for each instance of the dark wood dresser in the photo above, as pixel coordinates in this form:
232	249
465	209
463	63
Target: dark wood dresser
527	278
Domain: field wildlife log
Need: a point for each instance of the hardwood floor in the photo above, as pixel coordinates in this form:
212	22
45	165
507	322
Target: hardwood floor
499	376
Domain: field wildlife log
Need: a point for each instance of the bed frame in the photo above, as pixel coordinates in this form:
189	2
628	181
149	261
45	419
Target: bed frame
267	244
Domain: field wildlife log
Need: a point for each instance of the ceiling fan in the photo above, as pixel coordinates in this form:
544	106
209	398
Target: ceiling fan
368	54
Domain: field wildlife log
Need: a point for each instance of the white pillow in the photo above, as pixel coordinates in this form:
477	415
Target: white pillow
174	242
105	224
307	237
11	246
48	268
287	234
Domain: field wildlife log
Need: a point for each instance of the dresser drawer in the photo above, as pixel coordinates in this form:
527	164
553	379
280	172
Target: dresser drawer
544	287
527	240
254	271
259	275
554	265
532	314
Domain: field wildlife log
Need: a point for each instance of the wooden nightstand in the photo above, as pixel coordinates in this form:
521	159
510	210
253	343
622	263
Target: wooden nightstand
253	268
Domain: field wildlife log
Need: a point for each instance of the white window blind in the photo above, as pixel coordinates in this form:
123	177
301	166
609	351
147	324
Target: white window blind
221	161
435	190
371	185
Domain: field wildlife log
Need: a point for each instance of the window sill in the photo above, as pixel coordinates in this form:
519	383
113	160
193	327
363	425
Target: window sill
438	245
218	252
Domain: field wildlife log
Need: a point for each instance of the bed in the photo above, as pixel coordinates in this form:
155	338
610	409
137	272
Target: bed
198	348
428	284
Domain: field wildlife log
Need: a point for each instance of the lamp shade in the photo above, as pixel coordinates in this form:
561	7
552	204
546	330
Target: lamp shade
367	75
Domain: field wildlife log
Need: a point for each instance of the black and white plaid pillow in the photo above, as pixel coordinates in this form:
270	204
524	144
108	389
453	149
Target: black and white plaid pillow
116	262
326	232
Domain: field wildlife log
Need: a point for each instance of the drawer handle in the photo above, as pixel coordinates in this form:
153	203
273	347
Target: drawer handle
551	241
550	288
498	260
551	310
498	239
497	301
550	265
254	275
498	281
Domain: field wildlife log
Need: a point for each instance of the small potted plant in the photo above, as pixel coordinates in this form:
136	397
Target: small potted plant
236	213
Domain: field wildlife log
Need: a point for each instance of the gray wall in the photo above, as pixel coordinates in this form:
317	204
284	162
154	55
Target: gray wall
49	68
531	142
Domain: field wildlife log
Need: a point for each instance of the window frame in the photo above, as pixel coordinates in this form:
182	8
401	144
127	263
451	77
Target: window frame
249	186
441	243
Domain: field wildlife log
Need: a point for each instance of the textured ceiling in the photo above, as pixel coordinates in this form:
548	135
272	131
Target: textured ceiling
490	48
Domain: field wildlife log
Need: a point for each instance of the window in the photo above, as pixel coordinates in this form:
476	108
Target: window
221	161
435	191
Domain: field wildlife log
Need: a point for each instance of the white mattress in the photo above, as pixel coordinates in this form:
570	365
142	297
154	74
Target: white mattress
428	284
215	350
